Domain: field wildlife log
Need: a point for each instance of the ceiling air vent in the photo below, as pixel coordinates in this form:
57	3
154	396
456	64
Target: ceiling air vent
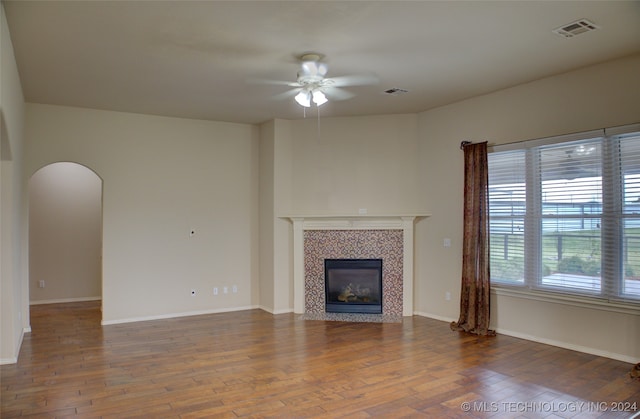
576	28
394	91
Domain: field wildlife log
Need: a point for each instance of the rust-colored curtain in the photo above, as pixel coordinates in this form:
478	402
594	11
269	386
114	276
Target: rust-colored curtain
475	292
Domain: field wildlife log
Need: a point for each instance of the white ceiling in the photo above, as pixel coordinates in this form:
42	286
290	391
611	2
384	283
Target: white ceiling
201	59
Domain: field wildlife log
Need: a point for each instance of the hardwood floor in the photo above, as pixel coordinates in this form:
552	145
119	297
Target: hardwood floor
256	365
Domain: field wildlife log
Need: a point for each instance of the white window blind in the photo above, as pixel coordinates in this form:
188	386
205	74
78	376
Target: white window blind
565	215
630	220
507	208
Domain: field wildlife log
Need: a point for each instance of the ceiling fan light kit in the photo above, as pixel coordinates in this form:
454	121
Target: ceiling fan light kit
319	98
305	97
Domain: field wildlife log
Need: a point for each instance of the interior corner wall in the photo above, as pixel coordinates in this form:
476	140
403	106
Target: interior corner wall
14	308
283	229
598	96
254	216
267	216
276	280
163	178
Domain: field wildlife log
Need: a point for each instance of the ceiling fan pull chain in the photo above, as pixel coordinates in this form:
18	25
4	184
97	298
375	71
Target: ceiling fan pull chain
318	109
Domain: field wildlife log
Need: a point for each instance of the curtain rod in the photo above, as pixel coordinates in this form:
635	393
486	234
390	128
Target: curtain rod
464	144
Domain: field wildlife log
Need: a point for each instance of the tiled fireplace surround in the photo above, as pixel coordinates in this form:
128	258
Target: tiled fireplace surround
389	238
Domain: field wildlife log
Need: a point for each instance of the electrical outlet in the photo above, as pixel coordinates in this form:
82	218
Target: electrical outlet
225	290
215	290
447	296
41	283
234	289
193	292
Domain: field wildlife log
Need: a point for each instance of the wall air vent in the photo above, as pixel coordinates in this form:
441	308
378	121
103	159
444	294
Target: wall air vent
394	91
576	28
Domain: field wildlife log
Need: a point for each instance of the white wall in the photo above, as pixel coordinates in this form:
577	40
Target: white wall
284	176
267	216
594	97
14	309
162	177
356	163
65	234
276	277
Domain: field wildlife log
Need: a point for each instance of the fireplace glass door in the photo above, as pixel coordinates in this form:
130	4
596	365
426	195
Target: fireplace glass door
353	285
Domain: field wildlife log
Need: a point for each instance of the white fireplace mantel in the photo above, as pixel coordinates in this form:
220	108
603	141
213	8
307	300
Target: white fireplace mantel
404	222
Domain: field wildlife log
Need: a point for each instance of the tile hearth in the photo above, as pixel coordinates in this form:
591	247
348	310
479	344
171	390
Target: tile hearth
352	317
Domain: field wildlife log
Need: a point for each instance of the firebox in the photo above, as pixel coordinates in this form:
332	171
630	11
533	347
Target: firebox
353	285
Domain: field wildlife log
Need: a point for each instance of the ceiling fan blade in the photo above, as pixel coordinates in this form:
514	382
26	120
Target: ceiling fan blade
336	93
274	82
355	80
286	95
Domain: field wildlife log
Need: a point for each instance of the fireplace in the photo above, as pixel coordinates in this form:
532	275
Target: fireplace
320	237
353	285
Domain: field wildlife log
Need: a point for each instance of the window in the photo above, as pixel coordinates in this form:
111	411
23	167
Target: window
564	215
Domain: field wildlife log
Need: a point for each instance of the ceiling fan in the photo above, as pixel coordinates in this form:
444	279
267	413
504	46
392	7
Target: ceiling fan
312	85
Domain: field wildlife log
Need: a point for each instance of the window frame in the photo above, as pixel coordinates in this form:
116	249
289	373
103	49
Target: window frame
612	218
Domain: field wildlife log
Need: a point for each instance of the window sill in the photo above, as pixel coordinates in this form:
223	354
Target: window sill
570	300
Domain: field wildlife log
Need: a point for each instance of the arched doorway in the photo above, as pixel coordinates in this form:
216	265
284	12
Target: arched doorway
65	234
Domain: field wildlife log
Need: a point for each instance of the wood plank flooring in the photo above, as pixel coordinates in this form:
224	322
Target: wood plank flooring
252	364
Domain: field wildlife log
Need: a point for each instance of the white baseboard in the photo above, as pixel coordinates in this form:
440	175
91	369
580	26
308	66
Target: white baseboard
267	309
571	346
435	316
5	361
174	315
552	342
274	312
64	300
13	360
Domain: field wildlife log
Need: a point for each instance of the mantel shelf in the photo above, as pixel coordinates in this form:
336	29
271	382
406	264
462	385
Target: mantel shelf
353	216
